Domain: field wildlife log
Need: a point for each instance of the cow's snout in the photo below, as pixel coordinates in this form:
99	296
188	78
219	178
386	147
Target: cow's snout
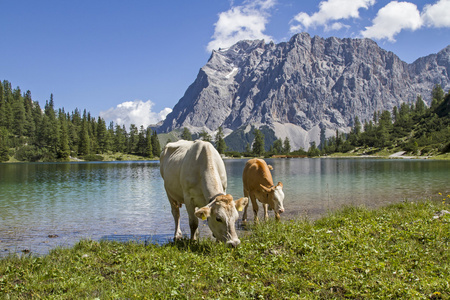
233	243
281	210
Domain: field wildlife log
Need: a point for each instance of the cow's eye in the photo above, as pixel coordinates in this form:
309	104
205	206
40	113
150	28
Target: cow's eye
218	219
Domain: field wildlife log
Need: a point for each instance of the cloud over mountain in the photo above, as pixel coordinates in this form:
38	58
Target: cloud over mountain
135	112
393	18
329	11
245	22
397	16
249	20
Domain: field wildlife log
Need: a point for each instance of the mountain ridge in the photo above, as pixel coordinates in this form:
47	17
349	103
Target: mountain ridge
297	87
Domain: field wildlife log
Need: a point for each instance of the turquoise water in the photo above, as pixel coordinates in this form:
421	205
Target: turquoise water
44	205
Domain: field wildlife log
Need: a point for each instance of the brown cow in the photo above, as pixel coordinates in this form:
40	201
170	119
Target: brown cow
258	184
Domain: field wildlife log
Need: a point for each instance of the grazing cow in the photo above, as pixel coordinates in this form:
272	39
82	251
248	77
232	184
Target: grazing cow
194	174
258	184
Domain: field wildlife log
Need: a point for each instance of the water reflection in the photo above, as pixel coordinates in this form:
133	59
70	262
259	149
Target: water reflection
126	200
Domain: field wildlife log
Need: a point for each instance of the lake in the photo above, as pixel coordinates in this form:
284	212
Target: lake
44	205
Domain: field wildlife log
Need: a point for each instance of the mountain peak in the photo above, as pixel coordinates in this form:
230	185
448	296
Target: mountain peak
296	87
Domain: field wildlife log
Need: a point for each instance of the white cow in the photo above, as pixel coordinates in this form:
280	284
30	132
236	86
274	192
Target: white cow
194	174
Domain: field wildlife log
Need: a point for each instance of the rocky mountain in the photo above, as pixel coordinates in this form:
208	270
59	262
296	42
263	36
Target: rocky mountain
296	87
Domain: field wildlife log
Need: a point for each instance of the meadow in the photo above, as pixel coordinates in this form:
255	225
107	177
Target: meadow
397	251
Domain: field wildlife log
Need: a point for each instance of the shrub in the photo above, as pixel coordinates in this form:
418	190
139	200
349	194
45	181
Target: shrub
446	148
93	157
233	154
29	153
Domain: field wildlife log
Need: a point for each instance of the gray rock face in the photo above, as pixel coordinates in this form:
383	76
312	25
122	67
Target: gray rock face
297	86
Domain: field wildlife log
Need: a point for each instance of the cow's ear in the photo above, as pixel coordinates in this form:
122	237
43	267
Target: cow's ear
241	203
203	213
266	189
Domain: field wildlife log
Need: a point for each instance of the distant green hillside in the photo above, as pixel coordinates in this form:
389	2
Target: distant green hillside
239	139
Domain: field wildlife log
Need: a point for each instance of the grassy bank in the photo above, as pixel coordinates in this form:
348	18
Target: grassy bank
400	251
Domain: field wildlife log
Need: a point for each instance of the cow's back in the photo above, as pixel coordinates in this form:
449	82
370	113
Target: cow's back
171	161
256	172
193	168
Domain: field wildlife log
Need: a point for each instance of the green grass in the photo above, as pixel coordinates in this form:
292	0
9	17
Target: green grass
445	156
399	251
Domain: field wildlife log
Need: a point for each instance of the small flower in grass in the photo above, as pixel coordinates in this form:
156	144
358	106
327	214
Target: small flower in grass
436	295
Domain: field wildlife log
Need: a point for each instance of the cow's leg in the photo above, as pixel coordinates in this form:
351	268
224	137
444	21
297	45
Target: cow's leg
244	216
176	217
266	214
277	216
193	221
255	207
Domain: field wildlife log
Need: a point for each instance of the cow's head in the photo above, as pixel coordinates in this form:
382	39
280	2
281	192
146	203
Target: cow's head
275	197
222	214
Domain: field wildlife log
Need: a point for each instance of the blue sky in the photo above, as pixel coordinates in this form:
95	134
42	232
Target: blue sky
131	61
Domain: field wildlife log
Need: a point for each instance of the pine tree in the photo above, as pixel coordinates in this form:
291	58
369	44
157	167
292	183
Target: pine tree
354	136
4	156
30	128
92	129
437	95
205	136
313	151
102	136
286	146
323	138
74	130
247	149
110	137
133	139
141	141
2	107
420	107
277	146
156	148
338	141
186	135
51	130
148	150
18	111
258	143
395	113
119	139
84	145
8	99
220	141
64	149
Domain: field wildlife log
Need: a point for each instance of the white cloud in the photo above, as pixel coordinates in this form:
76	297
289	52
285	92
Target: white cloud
246	22
336	26
330	10
393	18
437	15
134	112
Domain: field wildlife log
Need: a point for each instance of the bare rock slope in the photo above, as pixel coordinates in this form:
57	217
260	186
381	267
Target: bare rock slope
298	86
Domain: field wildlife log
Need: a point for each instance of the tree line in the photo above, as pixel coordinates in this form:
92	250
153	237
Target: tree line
30	133
409	127
256	148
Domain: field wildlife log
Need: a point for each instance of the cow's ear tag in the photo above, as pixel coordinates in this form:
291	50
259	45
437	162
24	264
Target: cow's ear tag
203	217
240	208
